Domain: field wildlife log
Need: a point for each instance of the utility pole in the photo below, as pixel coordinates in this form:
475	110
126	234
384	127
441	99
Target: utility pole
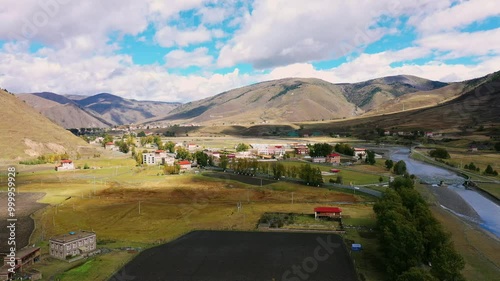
292	198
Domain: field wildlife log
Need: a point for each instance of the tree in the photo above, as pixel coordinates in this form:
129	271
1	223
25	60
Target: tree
400	167
170	146
389	164
416	274
123	147
107	138
242	147
201	158
380	179
339	180
183	153
489	171
224	161
320	149
171	170
344	149
439	153
278	170
310	175
141	134
370	157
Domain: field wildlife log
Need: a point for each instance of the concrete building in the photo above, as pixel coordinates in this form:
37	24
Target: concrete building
65	165
158	157
319	159
185	165
72	244
23	259
333	158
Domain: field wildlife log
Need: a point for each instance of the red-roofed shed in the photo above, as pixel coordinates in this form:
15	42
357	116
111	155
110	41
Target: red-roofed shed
330	212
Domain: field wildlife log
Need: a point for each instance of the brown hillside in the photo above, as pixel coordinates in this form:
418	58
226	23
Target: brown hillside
26	133
67	115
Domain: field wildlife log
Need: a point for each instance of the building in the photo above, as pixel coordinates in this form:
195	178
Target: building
319	159
148	158
328	212
333	158
185	165
72	244
360	152
23	259
110	146
65	165
158	157
301	150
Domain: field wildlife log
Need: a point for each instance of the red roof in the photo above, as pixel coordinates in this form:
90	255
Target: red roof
334	170
159	151
333	155
184	162
66	161
327	210
109	143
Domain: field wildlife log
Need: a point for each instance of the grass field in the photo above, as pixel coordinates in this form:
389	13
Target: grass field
130	206
360	175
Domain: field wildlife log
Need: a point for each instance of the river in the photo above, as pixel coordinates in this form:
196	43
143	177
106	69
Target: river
488	211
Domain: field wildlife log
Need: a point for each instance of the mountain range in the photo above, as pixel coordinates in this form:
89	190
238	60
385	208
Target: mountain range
283	101
101	110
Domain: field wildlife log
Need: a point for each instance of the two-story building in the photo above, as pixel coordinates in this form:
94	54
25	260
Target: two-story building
72	244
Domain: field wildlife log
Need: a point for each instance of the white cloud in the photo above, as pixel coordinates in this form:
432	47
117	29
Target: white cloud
182	59
171	36
23	72
282	32
478	43
55	22
458	16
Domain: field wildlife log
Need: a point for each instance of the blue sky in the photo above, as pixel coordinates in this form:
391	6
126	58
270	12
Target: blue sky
191	49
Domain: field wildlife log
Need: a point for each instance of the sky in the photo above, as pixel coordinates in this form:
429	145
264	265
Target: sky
185	50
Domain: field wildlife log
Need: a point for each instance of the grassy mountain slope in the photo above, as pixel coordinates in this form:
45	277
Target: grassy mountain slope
62	111
299	100
290	99
478	105
27	133
371	94
118	111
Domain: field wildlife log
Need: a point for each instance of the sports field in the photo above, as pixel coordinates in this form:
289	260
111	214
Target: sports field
237	255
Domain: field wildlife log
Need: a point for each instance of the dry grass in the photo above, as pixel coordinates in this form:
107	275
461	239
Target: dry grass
169	207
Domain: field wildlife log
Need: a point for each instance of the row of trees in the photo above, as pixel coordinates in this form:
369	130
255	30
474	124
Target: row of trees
305	172
323	149
412	239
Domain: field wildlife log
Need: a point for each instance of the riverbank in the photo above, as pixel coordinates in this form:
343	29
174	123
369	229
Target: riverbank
478	247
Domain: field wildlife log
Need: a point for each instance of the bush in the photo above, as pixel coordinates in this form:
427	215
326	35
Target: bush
439	153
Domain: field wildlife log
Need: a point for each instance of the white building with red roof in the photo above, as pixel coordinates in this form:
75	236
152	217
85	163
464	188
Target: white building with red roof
65	165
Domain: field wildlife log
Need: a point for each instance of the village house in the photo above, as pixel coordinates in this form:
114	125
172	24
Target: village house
23	259
387	133
319	159
429	134
359	152
65	165
191	147
110	146
158	157
328	212
185	165
333	158
301	149
79	243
